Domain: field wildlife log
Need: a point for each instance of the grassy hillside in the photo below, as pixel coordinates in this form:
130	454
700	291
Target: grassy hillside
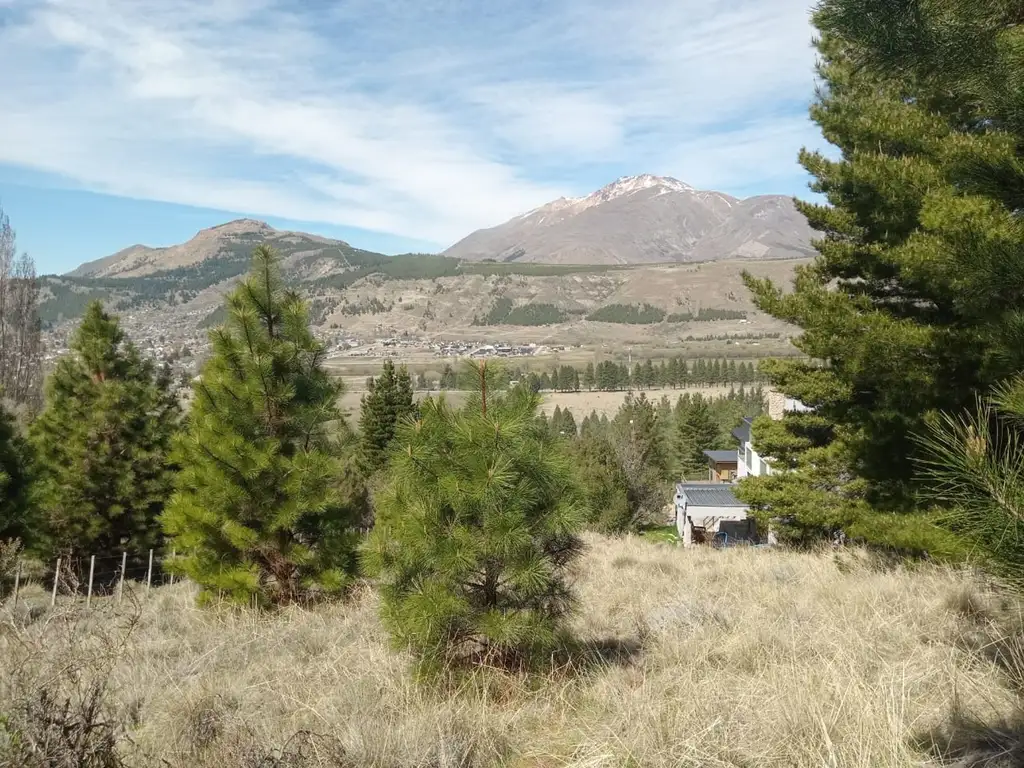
688	658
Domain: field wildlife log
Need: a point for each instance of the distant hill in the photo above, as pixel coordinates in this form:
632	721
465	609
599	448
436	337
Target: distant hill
175	293
232	242
644	220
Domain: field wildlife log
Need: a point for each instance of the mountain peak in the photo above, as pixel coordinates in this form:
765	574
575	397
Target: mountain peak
644	219
628	185
241	226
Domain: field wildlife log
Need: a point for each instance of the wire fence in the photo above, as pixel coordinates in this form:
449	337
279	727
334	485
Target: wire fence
99	576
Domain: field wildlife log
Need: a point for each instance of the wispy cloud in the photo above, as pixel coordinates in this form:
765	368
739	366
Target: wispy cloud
420	118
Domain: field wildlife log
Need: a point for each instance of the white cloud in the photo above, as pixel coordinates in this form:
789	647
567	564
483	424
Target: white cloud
422	120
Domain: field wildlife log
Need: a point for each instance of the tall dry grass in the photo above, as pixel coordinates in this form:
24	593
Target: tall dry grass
687	658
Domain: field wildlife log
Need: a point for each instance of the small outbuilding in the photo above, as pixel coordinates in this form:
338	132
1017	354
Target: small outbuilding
704	510
722	466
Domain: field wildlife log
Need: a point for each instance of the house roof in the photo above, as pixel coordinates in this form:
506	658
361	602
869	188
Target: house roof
709	495
742	432
722	457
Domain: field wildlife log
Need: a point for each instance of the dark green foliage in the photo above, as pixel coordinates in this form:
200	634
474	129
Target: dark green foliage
975	467
696	432
642	453
606	486
504	313
914	303
387	403
562	424
15	519
261	510
706	315
102	444
449	380
372	306
476	530
632	314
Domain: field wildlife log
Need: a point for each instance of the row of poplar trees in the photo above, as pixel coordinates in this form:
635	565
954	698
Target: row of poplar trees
260	489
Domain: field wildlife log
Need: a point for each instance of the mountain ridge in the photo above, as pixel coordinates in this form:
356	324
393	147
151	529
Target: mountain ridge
140	260
644	219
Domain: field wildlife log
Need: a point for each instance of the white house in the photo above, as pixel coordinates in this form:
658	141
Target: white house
708	509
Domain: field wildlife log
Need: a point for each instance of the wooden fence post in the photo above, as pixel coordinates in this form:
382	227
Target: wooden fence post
56	578
120	585
149	572
174	552
88	593
17	581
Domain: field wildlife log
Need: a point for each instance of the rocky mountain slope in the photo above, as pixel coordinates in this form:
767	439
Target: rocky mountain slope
232	241
642	220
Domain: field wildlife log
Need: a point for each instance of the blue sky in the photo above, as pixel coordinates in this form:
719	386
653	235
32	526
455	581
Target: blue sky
395	124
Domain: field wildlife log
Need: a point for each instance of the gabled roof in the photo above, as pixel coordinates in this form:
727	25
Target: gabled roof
742	432
709	495
723	457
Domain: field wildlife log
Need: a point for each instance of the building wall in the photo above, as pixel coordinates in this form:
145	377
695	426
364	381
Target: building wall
722	473
708	517
750	464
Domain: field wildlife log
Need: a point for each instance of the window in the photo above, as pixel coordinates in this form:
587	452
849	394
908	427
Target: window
748	457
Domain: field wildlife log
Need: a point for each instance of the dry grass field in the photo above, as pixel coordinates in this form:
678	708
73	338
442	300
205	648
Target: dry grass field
697	658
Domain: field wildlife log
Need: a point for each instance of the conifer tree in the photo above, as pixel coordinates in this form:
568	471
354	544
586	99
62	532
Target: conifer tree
260	512
607	489
388	401
696	432
476	529
641	452
449	380
913	304
589	379
102	444
15	521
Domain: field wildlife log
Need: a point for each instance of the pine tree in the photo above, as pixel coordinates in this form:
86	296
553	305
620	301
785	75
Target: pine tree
102	445
974	463
388	401
476	529
448	378
15	519
589	379
913	304
563	425
641	453
696	432
259	512
649	374
605	485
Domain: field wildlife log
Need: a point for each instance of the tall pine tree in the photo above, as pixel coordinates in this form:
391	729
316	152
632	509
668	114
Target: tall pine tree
260	512
102	445
696	432
15	522
476	530
388	401
913	304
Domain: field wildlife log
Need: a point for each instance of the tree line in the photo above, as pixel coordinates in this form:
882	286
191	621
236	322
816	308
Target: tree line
610	376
